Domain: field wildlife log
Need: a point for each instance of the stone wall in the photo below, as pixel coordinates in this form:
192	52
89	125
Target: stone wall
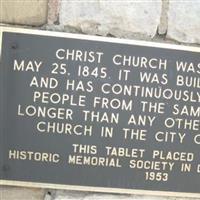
171	21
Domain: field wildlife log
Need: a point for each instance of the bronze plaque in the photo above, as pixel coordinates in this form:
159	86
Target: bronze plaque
99	114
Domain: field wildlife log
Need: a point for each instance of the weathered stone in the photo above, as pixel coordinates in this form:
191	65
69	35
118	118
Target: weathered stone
70	195
18	193
162	28
24	12
184	21
53	11
119	18
49	196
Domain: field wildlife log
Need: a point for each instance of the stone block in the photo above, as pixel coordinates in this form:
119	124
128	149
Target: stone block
119	18
31	12
18	193
184	21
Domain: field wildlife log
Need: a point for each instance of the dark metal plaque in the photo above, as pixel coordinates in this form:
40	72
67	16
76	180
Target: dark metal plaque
99	114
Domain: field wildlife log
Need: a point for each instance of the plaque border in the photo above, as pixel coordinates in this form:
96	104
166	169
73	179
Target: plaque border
100	39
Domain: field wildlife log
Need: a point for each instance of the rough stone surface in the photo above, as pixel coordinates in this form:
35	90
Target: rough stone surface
18	193
184	21
70	195
28	12
162	28
53	11
120	18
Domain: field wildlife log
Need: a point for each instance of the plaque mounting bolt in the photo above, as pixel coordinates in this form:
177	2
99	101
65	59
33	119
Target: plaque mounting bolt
14	46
